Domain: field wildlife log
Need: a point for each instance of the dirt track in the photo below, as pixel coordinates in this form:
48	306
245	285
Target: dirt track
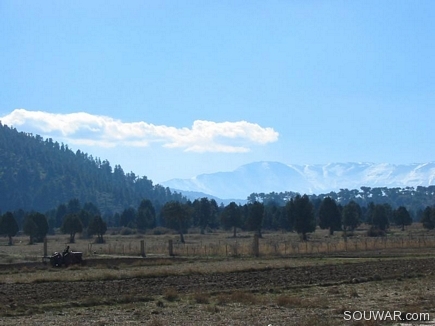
260	280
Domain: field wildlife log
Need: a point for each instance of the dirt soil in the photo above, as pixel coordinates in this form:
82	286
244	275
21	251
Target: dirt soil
69	302
57	292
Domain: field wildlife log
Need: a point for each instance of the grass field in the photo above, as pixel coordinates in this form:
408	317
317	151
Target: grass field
213	279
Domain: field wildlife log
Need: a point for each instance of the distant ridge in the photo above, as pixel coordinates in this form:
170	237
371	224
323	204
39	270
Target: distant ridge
267	177
40	174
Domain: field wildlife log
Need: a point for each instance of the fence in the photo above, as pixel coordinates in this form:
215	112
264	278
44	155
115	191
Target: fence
238	247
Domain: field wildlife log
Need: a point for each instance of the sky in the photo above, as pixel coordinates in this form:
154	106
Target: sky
173	89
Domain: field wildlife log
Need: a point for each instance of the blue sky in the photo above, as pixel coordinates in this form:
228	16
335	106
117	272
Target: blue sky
173	89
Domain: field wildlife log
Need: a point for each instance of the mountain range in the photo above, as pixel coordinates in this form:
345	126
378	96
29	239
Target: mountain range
268	177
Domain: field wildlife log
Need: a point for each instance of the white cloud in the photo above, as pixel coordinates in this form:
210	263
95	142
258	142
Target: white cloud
95	130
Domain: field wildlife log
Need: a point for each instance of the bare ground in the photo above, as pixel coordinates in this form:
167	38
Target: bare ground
302	295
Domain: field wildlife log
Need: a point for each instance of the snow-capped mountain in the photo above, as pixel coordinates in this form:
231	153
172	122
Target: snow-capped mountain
273	176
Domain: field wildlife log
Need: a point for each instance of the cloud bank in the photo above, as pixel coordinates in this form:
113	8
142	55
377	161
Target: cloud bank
95	130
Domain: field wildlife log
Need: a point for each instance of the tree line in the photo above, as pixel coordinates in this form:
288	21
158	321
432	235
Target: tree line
414	199
298	214
39	174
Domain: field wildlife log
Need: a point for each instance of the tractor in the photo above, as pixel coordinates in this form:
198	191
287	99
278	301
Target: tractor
65	258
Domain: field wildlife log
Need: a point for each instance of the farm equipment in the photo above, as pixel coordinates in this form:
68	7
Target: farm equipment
65	258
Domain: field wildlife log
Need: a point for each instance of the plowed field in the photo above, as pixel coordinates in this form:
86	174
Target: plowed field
142	300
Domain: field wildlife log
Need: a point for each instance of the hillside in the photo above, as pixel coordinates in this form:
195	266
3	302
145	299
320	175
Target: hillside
38	174
268	177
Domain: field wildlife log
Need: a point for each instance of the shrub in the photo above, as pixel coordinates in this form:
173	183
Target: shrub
288	301
201	298
243	297
127	231
375	232
333	290
353	293
171	294
222	299
161	230
212	309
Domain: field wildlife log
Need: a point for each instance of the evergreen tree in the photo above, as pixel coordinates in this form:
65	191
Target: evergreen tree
302	211
146	215
8	226
73	206
351	216
402	217
202	213
99	227
40	175
231	217
72	225
255	217
176	216
41	226
61	212
329	215
30	228
428	218
380	217
128	218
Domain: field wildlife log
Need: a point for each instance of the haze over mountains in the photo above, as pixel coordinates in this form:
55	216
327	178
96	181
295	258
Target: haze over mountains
266	177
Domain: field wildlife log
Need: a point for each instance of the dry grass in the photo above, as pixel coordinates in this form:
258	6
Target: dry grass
353	293
242	297
201	298
171	294
305	306
213	253
155	322
289	301
221	244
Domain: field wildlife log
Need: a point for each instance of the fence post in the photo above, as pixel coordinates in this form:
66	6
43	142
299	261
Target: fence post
45	247
255	246
171	248
142	248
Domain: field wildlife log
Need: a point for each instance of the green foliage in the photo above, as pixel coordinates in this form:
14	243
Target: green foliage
72	225
301	212
275	217
8	226
176	216
255	217
231	217
204	213
380	217
37	226
414	199
402	217
30	228
73	206
97	227
38	174
351	216
428	218
61	212
128	218
329	215
146	215
374	231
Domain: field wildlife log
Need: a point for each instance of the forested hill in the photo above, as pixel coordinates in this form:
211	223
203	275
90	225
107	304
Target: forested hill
39	174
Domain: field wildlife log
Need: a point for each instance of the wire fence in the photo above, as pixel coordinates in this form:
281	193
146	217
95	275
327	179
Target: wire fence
207	246
239	247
